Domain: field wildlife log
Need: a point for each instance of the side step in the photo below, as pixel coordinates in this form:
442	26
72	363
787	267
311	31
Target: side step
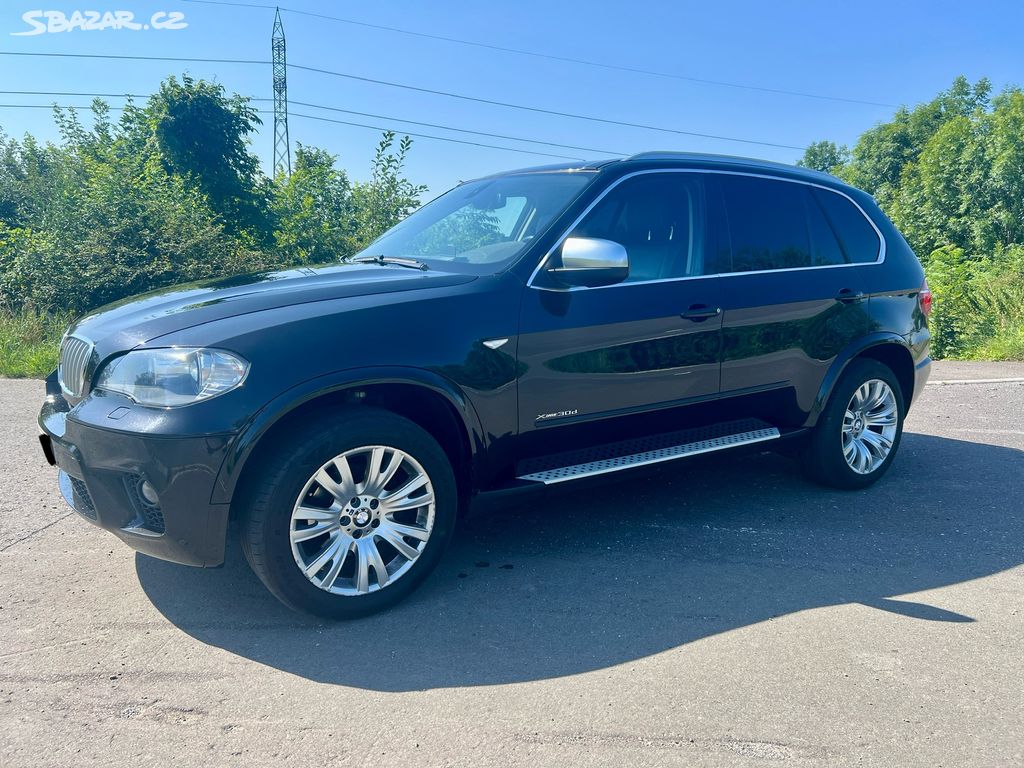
627	454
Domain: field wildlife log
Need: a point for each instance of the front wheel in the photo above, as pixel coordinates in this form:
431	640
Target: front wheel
859	431
347	519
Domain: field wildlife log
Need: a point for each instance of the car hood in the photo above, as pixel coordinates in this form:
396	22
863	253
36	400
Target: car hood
128	323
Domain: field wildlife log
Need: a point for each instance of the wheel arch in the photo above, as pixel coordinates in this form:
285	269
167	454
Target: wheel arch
426	398
890	349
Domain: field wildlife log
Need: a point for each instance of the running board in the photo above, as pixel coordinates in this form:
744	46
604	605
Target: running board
649	450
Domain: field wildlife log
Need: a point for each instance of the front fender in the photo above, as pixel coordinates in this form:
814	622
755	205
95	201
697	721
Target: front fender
243	445
843	359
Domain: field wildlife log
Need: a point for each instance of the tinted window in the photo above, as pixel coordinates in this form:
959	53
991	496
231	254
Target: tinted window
857	237
825	248
767	223
659	218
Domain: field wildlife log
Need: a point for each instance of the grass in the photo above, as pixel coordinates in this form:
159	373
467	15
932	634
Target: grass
29	343
1008	345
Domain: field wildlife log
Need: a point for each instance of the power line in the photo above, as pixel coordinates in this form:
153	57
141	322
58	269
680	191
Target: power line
461	130
331	120
51	106
541	110
84	93
126	57
418	89
347	112
554	57
438	138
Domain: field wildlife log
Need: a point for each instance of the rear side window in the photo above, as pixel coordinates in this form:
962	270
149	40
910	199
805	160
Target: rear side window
772	224
767	223
857	238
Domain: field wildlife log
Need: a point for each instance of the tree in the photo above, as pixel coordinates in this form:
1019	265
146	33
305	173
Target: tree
880	155
100	217
1003	140
966	187
203	136
388	197
171	193
824	156
939	195
313	209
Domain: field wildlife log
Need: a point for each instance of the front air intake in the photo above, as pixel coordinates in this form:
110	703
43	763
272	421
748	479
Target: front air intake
148	514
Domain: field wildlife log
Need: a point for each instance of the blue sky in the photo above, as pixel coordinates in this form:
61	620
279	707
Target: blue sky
889	52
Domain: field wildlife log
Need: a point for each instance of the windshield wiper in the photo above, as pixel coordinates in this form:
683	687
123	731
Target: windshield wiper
383	260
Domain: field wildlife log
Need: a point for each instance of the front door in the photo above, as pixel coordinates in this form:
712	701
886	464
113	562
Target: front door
651	342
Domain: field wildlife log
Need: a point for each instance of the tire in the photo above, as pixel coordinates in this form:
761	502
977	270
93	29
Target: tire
825	459
302	475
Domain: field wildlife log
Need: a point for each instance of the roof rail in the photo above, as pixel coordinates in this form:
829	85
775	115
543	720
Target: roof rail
735	159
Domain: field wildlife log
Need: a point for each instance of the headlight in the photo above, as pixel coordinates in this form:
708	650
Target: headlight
171	377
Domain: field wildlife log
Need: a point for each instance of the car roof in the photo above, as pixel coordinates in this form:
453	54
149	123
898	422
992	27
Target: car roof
684	160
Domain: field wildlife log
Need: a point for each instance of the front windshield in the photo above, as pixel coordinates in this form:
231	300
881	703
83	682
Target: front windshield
482	224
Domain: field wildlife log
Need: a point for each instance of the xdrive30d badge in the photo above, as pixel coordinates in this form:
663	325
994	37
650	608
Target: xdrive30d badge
529	328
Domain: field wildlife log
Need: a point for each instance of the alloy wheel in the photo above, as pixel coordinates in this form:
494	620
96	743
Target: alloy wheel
869	426
362	520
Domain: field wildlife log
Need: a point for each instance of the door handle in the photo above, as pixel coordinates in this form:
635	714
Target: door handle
850	296
698	313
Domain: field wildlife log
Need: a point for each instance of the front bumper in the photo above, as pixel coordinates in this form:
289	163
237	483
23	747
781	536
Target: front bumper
101	472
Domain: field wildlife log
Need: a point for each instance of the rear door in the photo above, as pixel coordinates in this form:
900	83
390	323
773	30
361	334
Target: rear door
793	291
652	341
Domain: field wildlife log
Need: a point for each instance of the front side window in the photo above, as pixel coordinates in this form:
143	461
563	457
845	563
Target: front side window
659	219
481	226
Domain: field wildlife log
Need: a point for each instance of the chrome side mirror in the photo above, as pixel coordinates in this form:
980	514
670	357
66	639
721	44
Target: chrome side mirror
591	262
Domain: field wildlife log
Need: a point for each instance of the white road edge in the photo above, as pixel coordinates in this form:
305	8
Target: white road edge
1018	380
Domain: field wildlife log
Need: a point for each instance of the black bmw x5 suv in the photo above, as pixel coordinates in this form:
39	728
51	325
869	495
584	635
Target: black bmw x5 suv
525	329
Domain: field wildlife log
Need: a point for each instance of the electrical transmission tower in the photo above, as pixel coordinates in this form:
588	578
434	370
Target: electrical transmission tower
282	149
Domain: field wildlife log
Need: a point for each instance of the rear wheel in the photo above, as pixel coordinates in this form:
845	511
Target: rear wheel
348	519
859	431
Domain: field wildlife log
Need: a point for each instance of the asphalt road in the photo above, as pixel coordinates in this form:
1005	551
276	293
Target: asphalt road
718	612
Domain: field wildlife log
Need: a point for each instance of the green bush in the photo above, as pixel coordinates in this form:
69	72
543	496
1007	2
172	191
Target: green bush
1007	346
979	304
171	193
999	295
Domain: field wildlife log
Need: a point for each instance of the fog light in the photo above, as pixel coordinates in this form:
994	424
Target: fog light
149	493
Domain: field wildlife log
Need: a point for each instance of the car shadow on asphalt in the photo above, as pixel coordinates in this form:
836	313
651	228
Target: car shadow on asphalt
580	580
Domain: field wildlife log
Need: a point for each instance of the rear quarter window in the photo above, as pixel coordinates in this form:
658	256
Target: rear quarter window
857	238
